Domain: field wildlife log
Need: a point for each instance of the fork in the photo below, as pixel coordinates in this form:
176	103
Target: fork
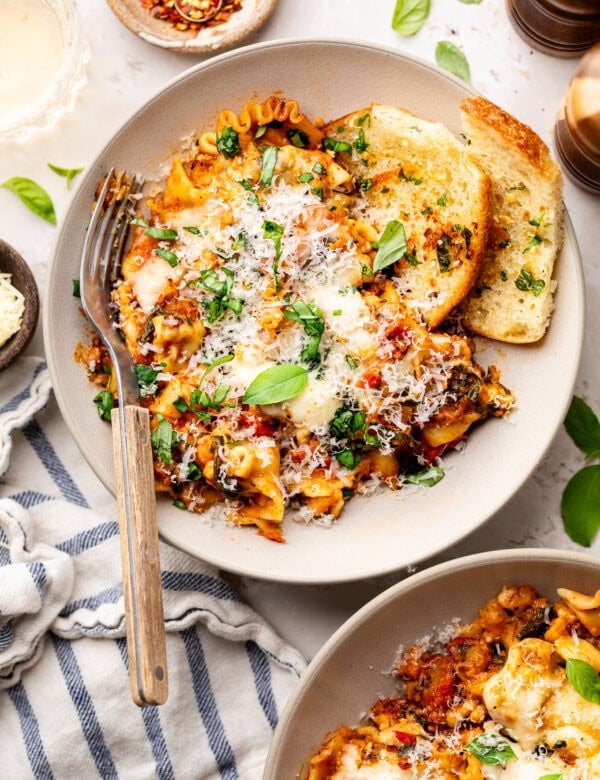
134	476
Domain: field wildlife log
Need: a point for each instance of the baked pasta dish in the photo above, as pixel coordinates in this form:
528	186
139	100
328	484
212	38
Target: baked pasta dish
515	694
287	300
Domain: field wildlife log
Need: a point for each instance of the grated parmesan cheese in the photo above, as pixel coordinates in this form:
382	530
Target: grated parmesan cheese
12	307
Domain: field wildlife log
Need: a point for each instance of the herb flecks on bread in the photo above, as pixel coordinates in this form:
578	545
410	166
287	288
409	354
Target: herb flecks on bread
512	298
417	173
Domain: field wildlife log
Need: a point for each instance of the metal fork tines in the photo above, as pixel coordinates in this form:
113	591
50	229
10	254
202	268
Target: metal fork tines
101	267
134	471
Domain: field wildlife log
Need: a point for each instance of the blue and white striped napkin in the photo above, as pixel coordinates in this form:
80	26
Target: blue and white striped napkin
65	706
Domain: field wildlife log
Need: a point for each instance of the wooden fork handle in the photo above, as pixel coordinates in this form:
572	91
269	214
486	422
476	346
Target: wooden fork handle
146	648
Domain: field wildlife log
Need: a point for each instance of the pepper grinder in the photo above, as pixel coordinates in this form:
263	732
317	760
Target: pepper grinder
563	28
577	128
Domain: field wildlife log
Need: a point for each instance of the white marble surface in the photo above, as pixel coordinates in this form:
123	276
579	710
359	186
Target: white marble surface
123	72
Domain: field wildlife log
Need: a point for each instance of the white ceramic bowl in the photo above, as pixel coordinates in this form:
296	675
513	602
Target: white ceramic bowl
351	671
384	532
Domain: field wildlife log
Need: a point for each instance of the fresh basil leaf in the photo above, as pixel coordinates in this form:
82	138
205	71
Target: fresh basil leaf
105	402
276	384
165	234
392	245
269	160
33	196
306	177
491	749
146	378
297	137
162	438
336	146
583	427
584	678
451	58
526	282
196	231
68	173
139	222
348	458
228	143
409	16
554	775
580	505
170	257
427	477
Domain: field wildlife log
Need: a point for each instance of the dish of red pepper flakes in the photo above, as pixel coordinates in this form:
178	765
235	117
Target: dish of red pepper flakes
205	13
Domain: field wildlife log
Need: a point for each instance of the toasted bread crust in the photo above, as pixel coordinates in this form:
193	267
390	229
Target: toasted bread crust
513	133
512	299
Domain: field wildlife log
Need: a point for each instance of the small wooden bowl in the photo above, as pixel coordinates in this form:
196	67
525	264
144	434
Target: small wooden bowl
23	280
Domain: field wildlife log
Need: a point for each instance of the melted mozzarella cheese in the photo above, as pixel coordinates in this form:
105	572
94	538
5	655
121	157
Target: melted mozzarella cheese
150	280
348	318
314	407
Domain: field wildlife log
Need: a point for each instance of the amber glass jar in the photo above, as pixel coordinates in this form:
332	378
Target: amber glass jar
577	128
563	28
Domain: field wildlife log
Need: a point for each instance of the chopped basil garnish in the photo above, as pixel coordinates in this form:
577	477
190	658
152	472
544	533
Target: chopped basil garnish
33	196
146	378
526	282
491	749
221	287
228	143
427	477
105	402
275	232
76	290
311	319
392	245
252	198
336	146
170	257
196	231
306	177
163	438
319	168
297	137
165	234
269	160
361	144
276	384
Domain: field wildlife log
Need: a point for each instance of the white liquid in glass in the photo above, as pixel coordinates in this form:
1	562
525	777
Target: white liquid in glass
31	51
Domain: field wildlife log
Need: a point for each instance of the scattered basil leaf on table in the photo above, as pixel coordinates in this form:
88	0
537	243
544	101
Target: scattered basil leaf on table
583	427
68	173
276	384
451	58
584	678
491	749
33	196
580	503
409	16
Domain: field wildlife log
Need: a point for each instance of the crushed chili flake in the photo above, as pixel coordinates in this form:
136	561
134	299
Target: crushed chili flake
167	12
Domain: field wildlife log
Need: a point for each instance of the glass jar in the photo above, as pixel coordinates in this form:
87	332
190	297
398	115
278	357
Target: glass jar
577	128
42	64
563	28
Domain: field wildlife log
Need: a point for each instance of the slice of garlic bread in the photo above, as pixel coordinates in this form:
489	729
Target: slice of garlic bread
512	299
418	173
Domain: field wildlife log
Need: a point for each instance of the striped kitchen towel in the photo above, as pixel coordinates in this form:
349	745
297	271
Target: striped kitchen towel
65	706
